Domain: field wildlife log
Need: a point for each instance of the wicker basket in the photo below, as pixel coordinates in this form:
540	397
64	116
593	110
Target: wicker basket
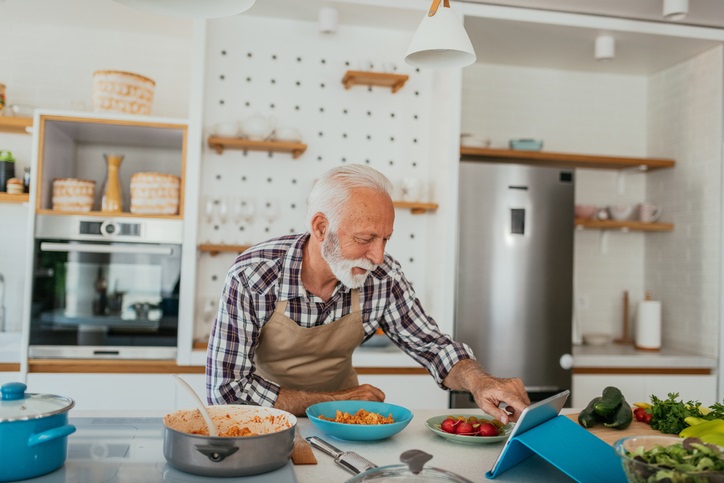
70	194
125	92
155	194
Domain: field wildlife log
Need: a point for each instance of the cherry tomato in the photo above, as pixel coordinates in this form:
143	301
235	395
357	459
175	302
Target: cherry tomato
640	414
488	429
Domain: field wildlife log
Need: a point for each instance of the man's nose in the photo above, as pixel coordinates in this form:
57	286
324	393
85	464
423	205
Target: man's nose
376	254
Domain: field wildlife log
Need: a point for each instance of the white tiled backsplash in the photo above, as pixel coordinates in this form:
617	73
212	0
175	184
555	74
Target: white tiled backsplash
683	267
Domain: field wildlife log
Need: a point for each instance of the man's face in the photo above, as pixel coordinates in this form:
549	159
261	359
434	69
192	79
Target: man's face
358	245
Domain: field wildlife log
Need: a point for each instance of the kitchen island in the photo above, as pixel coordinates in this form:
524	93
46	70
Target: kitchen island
128	447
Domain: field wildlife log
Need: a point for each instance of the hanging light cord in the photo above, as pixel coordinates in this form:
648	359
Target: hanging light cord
435	5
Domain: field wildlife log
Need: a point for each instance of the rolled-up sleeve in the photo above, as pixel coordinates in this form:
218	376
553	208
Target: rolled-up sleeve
230	371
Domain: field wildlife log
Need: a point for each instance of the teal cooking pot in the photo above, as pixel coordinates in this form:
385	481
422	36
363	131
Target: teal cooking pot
33	432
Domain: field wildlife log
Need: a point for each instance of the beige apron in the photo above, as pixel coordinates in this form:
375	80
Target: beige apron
314	359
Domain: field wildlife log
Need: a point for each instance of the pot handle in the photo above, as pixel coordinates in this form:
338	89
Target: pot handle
51	434
216	454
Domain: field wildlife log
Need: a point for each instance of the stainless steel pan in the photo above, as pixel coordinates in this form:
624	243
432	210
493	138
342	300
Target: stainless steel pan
229	456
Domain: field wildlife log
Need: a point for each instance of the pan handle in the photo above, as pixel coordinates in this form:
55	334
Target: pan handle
216	454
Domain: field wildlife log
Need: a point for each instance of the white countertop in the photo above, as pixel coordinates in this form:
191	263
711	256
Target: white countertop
470	461
618	355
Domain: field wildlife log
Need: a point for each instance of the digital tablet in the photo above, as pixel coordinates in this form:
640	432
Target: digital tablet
532	416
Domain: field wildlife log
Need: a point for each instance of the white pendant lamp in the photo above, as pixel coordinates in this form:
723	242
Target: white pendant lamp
191	8
605	48
676	9
440	41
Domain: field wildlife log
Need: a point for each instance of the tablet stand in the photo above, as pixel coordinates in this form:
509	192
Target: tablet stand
567	446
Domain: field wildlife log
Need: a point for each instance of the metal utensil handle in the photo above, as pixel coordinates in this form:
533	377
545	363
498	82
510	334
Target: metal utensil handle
354	463
324	446
93	248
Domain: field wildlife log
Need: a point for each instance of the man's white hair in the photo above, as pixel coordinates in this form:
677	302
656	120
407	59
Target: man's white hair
332	189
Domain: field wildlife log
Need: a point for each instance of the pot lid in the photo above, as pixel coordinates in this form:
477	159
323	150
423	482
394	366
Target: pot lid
17	405
412	469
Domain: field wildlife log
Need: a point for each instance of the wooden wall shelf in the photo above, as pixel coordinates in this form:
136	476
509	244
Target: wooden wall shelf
219	143
7	198
562	160
214	250
381	79
16	125
106	214
623	225
415	207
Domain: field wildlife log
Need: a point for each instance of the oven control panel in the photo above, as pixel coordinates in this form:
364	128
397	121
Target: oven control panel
110	229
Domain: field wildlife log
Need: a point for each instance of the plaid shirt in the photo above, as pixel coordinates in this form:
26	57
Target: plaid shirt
272	271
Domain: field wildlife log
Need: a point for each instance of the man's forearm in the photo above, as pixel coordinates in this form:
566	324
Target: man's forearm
465	375
297	402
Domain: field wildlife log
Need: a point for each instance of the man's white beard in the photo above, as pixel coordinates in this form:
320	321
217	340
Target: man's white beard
342	267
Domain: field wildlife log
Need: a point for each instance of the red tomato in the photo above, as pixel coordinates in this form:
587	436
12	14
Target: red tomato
648	418
488	429
465	429
640	414
448	425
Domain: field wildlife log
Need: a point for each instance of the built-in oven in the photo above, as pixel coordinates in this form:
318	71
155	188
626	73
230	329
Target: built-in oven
105	288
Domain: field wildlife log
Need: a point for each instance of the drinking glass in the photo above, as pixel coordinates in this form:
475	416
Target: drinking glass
270	209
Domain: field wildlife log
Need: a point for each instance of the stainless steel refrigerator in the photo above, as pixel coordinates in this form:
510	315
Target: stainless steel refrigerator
515	273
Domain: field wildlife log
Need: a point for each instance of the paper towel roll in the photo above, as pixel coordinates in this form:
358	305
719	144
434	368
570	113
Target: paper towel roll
648	325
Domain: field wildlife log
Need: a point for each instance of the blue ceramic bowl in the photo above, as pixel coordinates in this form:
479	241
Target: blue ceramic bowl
358	432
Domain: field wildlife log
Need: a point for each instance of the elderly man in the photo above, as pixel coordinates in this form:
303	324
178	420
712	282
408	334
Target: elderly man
293	309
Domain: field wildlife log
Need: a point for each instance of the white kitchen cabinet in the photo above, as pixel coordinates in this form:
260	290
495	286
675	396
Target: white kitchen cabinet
6	377
109	391
640	387
410	391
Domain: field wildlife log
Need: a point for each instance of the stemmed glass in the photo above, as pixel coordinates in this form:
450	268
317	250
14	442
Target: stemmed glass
270	210
216	212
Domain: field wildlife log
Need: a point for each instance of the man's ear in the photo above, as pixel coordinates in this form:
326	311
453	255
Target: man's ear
320	226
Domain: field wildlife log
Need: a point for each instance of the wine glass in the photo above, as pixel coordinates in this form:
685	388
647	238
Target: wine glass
209	209
248	209
270	210
237	211
222	210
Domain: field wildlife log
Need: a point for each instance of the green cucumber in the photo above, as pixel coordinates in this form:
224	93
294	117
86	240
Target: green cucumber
621	418
609	403
588	418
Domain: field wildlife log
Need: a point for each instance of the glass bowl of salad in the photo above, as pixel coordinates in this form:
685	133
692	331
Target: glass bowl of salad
650	459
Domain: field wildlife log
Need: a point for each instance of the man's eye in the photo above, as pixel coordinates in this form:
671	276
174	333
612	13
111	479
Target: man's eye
363	241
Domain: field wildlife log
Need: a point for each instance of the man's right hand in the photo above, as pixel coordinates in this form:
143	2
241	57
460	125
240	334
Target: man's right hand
297	402
364	392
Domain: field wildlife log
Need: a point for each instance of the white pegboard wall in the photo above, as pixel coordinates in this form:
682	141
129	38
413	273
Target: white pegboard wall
289	71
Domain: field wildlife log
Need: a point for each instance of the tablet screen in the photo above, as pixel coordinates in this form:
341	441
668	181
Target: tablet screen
532	416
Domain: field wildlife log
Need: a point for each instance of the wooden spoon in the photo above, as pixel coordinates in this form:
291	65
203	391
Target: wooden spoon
213	431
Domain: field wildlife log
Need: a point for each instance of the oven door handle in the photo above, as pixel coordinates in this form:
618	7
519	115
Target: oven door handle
94	248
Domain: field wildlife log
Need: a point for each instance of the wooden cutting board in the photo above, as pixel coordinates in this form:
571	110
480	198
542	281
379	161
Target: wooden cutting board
611	435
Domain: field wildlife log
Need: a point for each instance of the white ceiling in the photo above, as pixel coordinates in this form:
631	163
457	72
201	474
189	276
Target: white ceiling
709	13
535	44
502	40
